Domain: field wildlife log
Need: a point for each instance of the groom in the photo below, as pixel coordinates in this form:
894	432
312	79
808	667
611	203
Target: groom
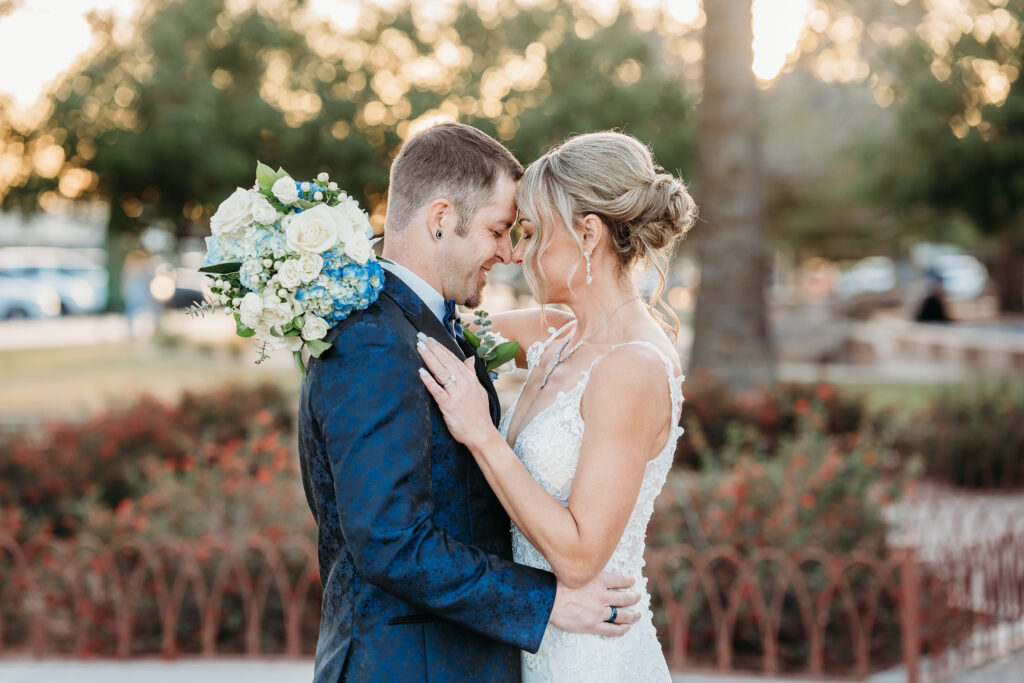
414	548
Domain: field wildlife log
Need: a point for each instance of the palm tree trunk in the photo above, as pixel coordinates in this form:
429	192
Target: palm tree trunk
732	341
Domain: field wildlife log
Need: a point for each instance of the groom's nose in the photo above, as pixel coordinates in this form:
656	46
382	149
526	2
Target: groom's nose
504	251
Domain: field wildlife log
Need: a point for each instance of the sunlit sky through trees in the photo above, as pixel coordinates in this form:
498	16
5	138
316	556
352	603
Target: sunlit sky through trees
43	39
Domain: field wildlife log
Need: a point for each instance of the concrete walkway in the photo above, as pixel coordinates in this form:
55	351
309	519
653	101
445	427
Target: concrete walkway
268	671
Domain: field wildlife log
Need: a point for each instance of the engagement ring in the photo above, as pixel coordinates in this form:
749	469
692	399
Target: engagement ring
451	381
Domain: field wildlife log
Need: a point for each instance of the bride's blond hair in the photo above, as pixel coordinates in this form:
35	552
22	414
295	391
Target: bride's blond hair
613	176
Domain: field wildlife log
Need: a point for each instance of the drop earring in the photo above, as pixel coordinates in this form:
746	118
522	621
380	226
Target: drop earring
587	257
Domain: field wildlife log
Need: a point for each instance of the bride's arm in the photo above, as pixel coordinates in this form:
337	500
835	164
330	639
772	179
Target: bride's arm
625	409
525	326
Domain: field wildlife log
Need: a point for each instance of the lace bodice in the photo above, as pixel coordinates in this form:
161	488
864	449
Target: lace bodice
549	447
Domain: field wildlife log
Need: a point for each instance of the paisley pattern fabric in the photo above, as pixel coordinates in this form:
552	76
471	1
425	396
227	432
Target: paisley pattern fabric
414	548
549	446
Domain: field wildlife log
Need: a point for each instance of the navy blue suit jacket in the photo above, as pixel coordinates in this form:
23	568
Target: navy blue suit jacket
414	547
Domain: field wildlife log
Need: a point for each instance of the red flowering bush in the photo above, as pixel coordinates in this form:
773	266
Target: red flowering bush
809	489
211	469
759	418
121	465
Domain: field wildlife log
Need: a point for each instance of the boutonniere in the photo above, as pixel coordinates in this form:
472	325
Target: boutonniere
497	352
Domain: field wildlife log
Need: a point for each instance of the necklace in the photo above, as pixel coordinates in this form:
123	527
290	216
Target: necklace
559	358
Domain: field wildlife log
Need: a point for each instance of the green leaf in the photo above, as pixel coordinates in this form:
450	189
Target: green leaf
317	347
222	268
304	204
297	357
298	321
503	353
471	338
242	330
265	176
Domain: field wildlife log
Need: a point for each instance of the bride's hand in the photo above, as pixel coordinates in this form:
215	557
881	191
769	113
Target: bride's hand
458	393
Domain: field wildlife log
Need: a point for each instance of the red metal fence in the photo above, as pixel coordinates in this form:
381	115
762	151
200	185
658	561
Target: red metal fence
135	597
765	610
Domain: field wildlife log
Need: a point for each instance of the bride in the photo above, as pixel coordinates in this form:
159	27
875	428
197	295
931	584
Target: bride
585	449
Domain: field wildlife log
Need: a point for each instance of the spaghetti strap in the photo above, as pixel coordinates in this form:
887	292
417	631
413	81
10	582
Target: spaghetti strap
556	333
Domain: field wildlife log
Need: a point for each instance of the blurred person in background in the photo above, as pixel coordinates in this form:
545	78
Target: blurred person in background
933	306
140	308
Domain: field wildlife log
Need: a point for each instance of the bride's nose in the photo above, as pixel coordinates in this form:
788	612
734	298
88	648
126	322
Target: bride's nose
519	252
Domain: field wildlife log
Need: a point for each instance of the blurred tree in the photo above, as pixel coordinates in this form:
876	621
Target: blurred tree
961	141
162	124
731	340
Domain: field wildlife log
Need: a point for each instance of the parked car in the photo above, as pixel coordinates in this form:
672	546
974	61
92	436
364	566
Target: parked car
963	276
872	274
78	280
27	299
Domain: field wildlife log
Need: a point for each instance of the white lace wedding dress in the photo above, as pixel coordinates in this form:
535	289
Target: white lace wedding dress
549	446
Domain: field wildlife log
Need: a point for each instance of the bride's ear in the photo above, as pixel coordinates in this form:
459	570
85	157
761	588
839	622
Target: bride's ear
592	231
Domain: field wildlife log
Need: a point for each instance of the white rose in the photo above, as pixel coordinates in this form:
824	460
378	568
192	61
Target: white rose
285	190
250	309
509	366
357	218
322	177
357	248
233	215
262	210
292	343
289	274
310	266
276	311
314	328
315	230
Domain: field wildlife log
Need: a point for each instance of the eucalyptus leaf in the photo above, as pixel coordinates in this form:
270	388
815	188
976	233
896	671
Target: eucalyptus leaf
222	268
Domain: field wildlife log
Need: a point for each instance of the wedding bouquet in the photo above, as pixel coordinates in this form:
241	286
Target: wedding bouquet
290	260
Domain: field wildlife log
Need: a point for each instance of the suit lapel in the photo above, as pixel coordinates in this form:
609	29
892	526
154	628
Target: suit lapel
424	320
421	317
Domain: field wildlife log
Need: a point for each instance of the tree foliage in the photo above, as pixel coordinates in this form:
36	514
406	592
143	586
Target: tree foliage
165	123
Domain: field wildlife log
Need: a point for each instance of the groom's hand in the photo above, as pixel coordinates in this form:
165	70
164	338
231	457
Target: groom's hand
587	609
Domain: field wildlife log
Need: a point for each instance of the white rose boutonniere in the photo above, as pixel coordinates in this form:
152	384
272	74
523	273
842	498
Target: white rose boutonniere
499	354
285	190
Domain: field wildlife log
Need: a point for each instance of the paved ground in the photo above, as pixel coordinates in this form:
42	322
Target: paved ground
199	671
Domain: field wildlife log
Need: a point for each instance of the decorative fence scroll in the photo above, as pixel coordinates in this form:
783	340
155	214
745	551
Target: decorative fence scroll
763	610
133	597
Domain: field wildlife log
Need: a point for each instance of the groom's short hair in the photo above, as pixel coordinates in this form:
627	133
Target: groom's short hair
450	160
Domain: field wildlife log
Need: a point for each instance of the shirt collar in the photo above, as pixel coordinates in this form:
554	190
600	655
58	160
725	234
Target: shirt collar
430	296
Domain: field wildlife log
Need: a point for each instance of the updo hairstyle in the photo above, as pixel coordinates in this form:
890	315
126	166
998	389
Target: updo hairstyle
613	176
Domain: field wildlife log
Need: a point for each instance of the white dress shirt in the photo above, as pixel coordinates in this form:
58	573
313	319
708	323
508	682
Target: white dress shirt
430	296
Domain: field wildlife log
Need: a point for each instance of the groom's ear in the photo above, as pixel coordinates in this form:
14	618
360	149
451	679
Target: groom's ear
440	217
